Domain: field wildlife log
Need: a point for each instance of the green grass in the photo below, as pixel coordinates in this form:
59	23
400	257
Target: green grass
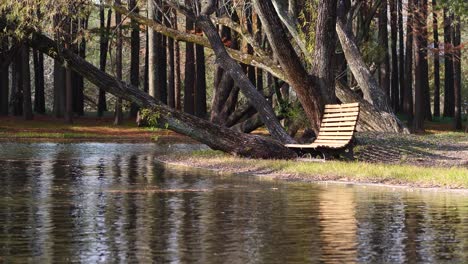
454	177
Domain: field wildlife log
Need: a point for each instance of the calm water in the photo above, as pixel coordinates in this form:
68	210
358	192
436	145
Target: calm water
111	203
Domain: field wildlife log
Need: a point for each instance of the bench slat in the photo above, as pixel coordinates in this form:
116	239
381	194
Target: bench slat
341	105
340	114
331	141
337	119
337	129
335	137
331	133
341	110
339	124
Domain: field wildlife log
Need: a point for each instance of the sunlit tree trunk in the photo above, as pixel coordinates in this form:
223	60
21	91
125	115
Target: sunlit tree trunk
394	41
384	72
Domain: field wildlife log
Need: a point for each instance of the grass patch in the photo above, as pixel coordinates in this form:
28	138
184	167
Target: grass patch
454	177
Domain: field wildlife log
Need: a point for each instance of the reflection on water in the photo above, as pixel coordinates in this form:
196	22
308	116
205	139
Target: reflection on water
110	202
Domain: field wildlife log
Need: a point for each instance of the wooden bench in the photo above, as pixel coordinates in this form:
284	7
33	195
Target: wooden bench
336	132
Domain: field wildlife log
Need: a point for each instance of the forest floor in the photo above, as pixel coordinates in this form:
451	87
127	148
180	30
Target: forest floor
435	159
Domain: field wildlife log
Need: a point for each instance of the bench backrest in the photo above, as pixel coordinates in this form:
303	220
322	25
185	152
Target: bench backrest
338	124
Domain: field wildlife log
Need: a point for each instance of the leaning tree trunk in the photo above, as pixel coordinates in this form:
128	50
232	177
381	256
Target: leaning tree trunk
369	86
215	136
309	94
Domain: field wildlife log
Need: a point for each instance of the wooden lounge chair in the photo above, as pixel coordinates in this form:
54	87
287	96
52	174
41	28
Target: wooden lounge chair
336	133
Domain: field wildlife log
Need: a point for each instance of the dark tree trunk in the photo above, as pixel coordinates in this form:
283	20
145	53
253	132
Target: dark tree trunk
83	25
171	97
419	53
384	72
312	98
456	36
394	40
449	100
26	75
408	96
146	74
16	96
103	48
325	44
215	136
59	90
401	56
135	54
118	115
39	96
4	78
436	61
177	78
189	82
68	96
200	91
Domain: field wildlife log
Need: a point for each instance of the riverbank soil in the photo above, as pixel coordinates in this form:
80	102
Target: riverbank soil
45	128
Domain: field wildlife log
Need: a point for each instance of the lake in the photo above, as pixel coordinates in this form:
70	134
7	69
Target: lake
101	202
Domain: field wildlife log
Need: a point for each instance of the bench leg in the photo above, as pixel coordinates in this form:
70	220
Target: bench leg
348	153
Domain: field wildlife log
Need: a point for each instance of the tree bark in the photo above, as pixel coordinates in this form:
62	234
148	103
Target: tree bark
39	96
26	75
384	71
118	115
4	78
200	90
449	97
401	56
394	40
424	63
456	36
408	96
325	45
436	60
103	48
311	97
369	86
215	136
418	122
134	54
190	72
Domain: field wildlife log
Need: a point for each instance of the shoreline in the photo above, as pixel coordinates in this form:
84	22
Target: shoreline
237	167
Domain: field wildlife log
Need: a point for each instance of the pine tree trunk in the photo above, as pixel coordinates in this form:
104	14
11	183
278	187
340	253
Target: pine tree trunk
39	97
456	36
401	55
26	75
171	97
118	115
83	25
384	72
189	82
436	61
103	48
134	54
418	121
449	105
177	78
424	62
394	39
200	91
16	96
4	78
408	96
59	90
